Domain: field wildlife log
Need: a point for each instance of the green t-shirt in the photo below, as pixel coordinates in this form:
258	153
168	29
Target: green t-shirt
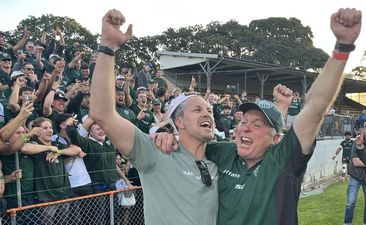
173	190
265	194
146	122
26	165
51	181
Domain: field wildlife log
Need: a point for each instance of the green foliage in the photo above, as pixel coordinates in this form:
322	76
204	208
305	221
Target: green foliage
359	73
285	42
73	31
280	41
328	208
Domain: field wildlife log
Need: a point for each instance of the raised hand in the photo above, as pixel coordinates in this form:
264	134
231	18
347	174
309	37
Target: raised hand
36	132
27	109
112	36
346	25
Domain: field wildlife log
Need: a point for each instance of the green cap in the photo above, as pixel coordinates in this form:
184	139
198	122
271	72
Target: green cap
270	110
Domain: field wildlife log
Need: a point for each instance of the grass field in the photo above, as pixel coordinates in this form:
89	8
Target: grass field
328	208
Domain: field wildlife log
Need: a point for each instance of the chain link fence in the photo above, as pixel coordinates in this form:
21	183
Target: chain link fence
115	207
337	125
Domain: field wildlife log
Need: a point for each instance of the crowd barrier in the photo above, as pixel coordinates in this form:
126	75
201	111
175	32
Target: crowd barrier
336	125
122	207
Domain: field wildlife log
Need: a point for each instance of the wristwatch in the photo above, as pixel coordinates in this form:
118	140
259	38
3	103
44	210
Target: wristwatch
344	47
106	50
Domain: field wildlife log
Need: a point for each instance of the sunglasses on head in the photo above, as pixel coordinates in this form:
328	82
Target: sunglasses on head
205	175
191	93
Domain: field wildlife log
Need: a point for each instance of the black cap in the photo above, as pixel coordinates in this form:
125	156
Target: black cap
61	118
151	81
60	95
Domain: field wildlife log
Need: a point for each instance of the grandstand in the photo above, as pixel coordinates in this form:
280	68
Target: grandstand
225	74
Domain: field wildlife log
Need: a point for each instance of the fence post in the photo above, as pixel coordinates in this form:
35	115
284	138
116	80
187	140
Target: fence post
13	219
111	209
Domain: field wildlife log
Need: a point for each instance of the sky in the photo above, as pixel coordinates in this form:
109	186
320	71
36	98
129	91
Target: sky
155	16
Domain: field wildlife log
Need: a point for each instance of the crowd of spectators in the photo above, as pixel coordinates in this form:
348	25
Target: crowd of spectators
62	152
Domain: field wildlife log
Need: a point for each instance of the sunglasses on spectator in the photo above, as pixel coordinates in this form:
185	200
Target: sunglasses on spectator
191	93
4	60
29	68
205	175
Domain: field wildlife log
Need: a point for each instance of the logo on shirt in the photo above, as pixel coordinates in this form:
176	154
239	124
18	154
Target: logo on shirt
231	174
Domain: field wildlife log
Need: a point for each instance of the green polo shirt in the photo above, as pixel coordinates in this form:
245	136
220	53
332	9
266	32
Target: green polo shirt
100	159
146	122
265	194
127	113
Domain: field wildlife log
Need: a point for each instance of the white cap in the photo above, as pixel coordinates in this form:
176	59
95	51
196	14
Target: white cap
178	101
16	74
120	77
53	55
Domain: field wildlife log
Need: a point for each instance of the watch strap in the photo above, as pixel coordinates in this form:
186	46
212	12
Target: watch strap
344	47
106	50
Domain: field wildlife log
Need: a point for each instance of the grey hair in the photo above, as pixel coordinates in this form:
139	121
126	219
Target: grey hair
179	111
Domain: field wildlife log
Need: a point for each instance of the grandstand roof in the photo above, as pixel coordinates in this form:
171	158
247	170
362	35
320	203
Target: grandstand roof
225	74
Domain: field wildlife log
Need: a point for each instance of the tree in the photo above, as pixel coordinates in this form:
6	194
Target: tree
285	42
73	31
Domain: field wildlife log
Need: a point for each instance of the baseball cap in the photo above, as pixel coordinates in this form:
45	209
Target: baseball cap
151	81
53	55
141	88
120	77
176	102
149	65
5	55
270	110
154	102
16	74
60	95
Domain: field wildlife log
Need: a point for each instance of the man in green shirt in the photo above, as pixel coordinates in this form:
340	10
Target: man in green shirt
145	116
260	175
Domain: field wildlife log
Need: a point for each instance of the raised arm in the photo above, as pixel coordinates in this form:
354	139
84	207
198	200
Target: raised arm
9	129
282	97
346	26
102	105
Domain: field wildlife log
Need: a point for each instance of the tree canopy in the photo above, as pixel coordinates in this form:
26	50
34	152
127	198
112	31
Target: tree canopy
275	40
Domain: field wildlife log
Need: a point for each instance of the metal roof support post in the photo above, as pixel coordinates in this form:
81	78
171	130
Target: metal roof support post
262	78
208	74
304	85
199	82
245	80
176	79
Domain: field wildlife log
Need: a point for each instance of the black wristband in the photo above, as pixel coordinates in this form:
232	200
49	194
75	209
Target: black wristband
106	50
344	47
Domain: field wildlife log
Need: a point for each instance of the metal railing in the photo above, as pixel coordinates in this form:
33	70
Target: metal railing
115	207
